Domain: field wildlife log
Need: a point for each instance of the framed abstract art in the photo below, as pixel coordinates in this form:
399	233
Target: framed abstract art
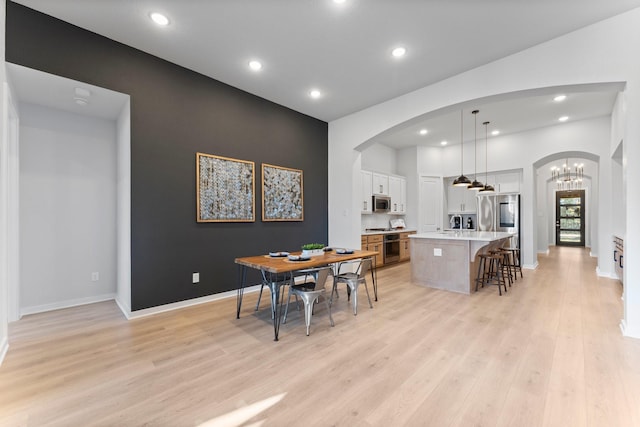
225	189
282	194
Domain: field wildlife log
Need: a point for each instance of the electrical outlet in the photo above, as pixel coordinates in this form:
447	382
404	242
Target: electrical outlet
196	277
95	276
437	251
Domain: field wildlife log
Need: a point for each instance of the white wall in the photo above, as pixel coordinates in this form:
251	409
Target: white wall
67	208
380	158
407	160
600	53
4	285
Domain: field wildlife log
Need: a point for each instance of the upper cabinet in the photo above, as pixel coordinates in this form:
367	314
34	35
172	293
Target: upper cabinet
367	193
380	184
508	182
460	200
373	183
398	194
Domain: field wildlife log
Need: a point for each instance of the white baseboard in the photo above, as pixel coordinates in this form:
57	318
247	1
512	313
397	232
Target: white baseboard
530	266
127	310
623	326
4	347
627	331
599	273
544	252
188	303
124	308
66	304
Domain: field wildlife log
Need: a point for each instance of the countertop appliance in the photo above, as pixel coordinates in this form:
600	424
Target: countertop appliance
391	248
500	213
381	203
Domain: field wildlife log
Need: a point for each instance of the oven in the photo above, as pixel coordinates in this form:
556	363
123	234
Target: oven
391	248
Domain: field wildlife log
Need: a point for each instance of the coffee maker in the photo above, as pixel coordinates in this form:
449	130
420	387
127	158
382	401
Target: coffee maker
457	224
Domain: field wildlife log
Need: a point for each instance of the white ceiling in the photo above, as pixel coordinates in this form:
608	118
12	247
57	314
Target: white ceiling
344	50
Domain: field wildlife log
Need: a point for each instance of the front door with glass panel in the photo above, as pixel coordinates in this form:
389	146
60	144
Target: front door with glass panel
570	218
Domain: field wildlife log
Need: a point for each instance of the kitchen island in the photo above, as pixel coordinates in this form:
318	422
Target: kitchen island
447	260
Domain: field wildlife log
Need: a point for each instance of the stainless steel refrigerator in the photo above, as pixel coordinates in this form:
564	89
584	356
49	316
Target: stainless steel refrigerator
500	213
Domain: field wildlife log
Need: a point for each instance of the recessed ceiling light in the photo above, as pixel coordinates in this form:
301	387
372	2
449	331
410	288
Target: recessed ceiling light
255	65
563	118
443	143
423	132
398	52
82	92
159	19
560	98
339	1
495	132
315	93
82	96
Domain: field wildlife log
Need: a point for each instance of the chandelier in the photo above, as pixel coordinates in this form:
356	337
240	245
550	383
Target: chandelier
566	177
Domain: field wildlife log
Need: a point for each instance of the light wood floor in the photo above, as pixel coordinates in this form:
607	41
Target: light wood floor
548	353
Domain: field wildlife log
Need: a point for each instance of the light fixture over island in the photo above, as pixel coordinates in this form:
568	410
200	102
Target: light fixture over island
447	259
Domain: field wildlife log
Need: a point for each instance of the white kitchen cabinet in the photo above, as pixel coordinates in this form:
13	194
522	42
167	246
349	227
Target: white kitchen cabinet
380	184
366	192
489	179
460	200
508	182
398	194
403	196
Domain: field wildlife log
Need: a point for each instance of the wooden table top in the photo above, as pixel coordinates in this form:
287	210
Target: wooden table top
283	264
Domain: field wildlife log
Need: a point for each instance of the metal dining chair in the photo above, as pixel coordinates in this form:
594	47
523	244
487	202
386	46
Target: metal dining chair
274	282
353	281
310	291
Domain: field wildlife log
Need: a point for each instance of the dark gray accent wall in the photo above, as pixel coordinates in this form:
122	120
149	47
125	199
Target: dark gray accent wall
175	113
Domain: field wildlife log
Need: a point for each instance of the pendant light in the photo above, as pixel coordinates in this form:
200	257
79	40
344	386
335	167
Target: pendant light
461	181
487	189
475	185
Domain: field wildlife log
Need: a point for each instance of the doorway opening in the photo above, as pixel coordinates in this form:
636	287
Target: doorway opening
570	218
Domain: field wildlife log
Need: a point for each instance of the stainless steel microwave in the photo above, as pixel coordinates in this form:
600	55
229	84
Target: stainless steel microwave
381	203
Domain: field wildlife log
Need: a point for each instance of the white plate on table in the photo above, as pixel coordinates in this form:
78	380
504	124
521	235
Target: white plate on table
278	254
298	258
344	251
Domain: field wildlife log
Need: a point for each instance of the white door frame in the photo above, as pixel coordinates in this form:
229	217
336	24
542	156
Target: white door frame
11	135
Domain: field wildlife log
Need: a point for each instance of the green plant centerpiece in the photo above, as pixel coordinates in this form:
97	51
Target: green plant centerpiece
312	249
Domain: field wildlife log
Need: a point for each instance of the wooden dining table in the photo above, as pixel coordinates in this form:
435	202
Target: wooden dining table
281	270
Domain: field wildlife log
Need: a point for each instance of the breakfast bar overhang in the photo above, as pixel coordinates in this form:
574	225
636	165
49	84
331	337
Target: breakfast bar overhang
447	260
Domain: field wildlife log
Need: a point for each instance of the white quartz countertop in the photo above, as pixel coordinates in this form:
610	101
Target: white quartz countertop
481	236
397	230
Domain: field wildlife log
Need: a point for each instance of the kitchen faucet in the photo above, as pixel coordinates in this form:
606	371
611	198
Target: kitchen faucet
452	221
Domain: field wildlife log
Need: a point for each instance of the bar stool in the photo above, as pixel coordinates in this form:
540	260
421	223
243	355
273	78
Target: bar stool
490	271
505	264
482	273
514	261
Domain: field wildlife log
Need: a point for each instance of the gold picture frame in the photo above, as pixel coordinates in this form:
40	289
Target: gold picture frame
225	189
282	194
